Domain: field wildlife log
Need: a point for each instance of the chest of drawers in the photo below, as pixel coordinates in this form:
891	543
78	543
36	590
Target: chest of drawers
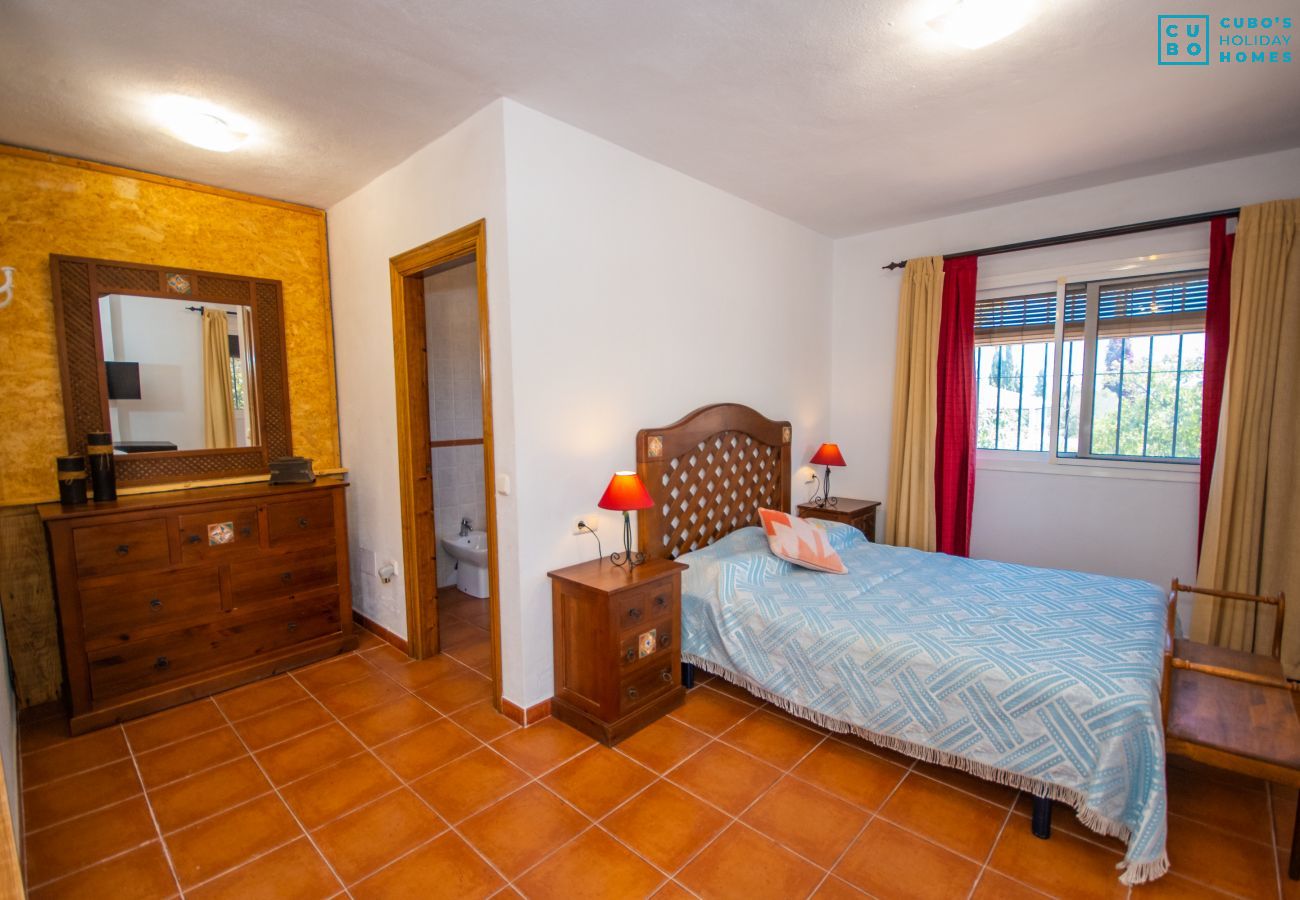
616	635
166	597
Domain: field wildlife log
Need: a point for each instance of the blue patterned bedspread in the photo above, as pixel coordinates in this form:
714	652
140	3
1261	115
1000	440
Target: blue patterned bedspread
1042	679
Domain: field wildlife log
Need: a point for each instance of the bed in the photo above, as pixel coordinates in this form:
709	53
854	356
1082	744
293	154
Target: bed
1041	679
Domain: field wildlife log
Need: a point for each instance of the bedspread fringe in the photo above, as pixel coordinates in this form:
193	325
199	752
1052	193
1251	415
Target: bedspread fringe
1133	873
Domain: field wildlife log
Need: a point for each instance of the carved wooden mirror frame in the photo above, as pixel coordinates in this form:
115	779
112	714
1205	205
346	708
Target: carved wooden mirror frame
79	283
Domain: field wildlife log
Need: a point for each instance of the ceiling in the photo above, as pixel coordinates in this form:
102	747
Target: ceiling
845	116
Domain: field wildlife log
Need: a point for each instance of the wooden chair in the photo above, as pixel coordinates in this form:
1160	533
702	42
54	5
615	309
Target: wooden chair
1233	709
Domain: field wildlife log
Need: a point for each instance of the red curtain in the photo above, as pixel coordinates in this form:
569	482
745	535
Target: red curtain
954	452
1217	310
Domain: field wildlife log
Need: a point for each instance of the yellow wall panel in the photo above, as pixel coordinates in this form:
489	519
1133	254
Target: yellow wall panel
51	204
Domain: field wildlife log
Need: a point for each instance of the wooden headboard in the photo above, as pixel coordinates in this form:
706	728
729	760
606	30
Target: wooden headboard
708	474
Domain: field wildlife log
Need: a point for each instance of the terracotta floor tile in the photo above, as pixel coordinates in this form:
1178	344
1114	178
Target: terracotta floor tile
292	872
415	674
772	738
592	866
954	819
193	754
367	640
1064	866
1000	794
307	753
1223	805
260	696
518	831
1220	859
484	722
385	722
1290	889
331	792
1284	803
1171	886
850	773
445	868
735	692
226	840
43	731
75	795
996	886
725	777
425	749
1064	818
1203	772
476	655
710	711
172	725
376	834
473	782
807	820
672	891
457	633
60	849
386	658
369	691
887	861
745	865
598	780
665	824
456	690
74	755
331	672
837	889
541	747
142	874
663	744
282	723
186	801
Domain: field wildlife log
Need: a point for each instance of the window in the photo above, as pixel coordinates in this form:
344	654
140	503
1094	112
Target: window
1132	355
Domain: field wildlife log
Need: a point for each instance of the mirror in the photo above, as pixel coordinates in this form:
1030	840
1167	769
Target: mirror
179	375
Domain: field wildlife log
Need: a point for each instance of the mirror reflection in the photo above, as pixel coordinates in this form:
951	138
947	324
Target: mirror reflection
179	375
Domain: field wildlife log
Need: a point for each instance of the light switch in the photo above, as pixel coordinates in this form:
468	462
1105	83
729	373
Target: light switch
503	484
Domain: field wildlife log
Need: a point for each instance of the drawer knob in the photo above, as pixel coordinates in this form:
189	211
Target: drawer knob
194	539
123	549
246	531
630	654
293	626
661	601
665	675
286	576
155	603
665	640
632	693
161	663
634	614
302	522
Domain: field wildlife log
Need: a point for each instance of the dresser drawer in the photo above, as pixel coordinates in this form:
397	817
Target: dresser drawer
306	521
128	547
631	609
149	601
158	660
643	686
646	643
219	533
271	577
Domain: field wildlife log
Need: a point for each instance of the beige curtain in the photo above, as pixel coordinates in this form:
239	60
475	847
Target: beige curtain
1252	528
218	393
909	505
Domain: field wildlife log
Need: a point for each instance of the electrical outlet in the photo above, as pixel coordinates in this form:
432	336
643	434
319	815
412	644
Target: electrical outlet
590	520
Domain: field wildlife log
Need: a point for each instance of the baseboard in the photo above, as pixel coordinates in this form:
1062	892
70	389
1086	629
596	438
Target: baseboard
530	716
379	631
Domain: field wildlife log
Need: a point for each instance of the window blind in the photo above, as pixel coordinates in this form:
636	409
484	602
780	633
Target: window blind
1167	305
1027	318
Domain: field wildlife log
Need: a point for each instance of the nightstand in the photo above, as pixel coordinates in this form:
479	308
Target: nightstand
861	514
617	660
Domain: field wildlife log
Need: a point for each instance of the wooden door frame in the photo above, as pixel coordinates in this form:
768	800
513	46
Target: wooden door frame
415	467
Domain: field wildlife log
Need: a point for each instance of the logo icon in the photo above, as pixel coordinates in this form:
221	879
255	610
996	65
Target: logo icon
1183	40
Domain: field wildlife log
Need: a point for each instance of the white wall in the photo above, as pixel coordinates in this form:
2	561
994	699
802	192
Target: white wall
1119	526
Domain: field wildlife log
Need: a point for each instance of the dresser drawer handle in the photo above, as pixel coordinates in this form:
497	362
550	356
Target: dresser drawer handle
123	549
302	522
155	603
194	539
665	640
630	654
286	577
634	613
293	626
661	601
665	675
246	531
161	663
632	693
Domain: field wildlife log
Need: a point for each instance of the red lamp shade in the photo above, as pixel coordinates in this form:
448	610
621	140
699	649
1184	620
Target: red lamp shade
625	492
828	455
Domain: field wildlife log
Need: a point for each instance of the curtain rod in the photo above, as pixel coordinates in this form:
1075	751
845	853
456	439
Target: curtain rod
1096	233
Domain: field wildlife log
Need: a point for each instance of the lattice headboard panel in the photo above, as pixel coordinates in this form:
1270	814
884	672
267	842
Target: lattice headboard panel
709	474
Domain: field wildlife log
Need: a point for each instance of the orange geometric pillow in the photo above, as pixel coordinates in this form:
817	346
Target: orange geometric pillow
800	542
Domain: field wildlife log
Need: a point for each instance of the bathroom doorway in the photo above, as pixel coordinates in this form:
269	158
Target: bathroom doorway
445	455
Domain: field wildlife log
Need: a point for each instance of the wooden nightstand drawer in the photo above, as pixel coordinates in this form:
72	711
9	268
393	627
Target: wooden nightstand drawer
860	514
128	547
656	639
637	690
634	608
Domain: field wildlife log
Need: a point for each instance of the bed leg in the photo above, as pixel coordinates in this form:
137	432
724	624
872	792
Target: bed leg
1293	872
688	675
1042	821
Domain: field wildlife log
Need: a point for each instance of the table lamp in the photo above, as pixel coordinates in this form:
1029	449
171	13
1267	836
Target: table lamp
827	455
626	492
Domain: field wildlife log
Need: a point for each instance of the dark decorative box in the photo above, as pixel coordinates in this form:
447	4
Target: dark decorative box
292	470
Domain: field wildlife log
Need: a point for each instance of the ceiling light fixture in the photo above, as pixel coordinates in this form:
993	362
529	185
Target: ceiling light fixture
201	123
977	23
